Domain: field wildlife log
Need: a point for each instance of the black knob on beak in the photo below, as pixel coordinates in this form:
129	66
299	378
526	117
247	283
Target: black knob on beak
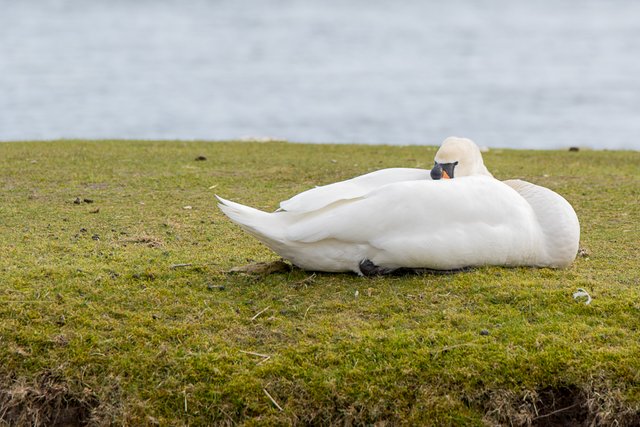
436	172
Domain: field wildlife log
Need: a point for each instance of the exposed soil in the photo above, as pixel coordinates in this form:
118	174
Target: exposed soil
560	406
48	402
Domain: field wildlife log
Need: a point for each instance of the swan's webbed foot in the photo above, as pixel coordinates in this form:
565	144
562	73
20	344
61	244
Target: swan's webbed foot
368	268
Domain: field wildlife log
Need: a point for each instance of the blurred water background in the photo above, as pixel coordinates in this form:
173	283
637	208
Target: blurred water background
521	74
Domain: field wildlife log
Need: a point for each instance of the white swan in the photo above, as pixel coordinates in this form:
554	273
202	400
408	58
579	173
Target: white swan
369	227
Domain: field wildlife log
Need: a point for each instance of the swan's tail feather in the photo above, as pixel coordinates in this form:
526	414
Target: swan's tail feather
241	214
264	226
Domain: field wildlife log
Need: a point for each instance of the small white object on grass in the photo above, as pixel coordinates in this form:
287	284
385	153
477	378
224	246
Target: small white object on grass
582	293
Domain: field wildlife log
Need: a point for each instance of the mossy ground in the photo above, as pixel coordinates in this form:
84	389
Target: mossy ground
98	324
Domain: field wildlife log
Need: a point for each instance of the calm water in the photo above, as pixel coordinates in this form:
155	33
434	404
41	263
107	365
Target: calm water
543	74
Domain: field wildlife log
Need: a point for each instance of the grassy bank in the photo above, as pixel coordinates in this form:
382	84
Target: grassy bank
115	306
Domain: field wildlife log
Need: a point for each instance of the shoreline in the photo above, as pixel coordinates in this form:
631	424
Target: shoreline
267	140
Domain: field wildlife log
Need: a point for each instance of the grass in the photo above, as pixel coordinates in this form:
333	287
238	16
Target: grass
99	325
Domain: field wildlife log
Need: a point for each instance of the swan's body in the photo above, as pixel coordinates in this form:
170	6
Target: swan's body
400	218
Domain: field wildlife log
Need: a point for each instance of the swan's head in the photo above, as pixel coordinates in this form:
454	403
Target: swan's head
459	157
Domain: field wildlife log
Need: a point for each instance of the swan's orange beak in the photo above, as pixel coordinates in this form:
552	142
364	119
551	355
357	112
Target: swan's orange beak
445	175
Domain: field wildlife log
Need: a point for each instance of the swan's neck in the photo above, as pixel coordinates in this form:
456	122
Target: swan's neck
473	165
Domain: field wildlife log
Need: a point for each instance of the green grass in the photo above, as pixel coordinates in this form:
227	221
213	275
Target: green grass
96	325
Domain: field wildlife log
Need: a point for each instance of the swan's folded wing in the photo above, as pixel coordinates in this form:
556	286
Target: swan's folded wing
424	219
320	197
403	208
